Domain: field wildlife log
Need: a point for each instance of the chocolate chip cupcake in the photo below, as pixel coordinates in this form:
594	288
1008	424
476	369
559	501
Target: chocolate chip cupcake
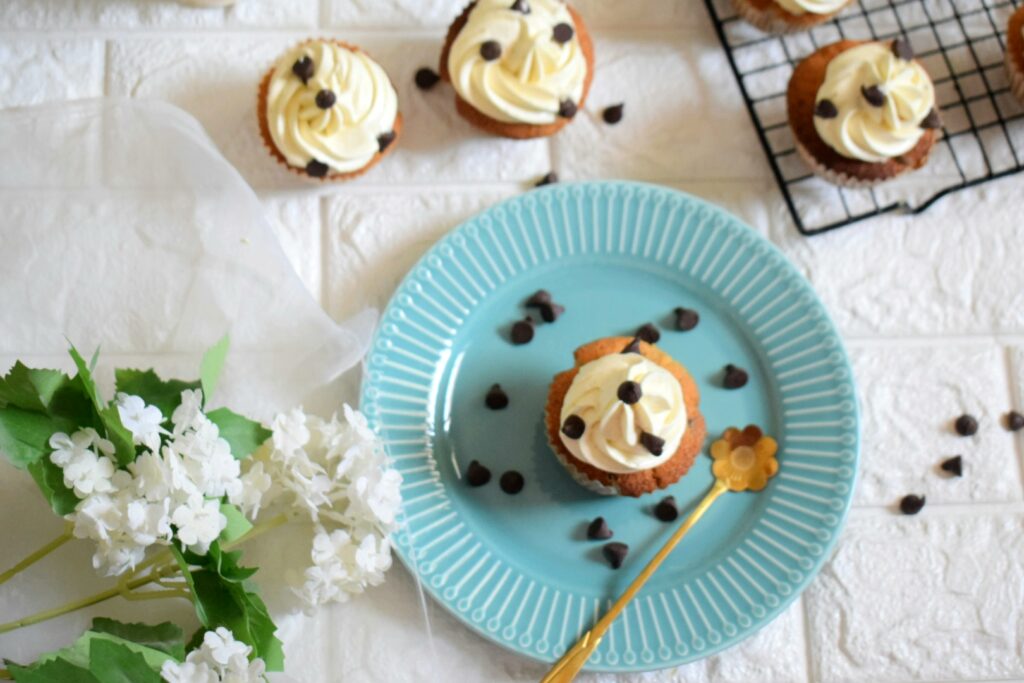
520	68
328	111
788	16
625	420
862	112
1015	53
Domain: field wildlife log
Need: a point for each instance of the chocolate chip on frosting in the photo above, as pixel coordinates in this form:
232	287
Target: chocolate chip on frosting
574	426
613	114
735	377
902	49
325	99
667	510
304	69
317	169
522	332
477	474
598	530
686	319
520	6
655	445
385	140
954	466
615	553
932	120
873	94
426	78
911	505
549	179
648	333
966	425
490	50
826	109
496	398
563	33
567	109
630	392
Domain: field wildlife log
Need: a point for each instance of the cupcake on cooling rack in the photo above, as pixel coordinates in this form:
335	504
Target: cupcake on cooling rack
788	16
521	68
625	420
1015	53
862	112
328	111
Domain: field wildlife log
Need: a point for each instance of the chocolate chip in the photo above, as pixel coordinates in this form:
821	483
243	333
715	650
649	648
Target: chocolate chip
615	553
539	298
304	69
911	505
520	6
549	312
562	34
477	474
629	392
966	425
734	377
599	530
317	169
567	109
490	50
426	78
548	179
613	114
932	121
496	398
522	332
954	466
648	333
655	445
902	49
384	141
873	94
1014	421
667	510
325	99
826	109
686	319
511	482
574	426
633	346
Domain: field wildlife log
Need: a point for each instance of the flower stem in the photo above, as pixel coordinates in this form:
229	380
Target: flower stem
37	555
157	595
258	530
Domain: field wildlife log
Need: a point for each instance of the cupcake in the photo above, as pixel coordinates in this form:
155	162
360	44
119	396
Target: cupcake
625	420
1015	53
520	69
788	16
862	112
328	111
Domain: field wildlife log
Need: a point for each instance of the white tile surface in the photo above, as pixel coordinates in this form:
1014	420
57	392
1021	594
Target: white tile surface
39	71
163	14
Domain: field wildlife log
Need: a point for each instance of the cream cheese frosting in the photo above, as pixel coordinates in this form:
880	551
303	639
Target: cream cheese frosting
612	438
519	62
338	110
811	6
873	105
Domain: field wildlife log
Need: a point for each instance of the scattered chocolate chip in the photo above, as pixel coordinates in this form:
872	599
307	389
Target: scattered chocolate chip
496	398
384	141
549	312
317	169
304	69
911	505
599	530
477	474
511	482
633	346
490	50
655	445
629	392
873	94
426	78
549	179
325	99
667	510
539	298
574	426
954	466
932	121
520	6
734	377
522	332
648	333
567	109
562	34
686	319
966	425
613	114
902	49
1014	421
826	109
615	553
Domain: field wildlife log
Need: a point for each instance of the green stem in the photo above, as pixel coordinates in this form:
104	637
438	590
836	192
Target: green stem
258	530
37	555
157	595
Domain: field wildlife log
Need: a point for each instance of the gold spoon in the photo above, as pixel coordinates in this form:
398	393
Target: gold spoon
742	460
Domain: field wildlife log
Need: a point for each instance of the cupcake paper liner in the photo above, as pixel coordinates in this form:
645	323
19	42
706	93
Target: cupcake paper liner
773	22
1016	77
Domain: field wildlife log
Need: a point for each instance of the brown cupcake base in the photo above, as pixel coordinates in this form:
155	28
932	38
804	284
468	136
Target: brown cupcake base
517	131
1015	53
635	483
768	16
268	141
823	160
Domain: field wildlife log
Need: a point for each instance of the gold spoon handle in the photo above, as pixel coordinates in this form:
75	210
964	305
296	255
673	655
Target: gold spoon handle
566	668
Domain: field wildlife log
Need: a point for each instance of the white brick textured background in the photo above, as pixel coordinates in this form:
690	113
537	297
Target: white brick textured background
932	308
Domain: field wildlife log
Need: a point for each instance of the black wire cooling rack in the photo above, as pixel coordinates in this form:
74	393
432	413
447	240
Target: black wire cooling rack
961	43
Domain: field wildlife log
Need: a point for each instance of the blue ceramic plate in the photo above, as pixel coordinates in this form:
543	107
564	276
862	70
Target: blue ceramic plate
518	569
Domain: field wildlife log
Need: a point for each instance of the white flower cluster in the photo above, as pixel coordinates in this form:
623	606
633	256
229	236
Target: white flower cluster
335	472
219	659
179	480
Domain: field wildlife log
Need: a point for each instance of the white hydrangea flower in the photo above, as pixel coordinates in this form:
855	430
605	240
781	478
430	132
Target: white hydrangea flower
249	496
190	408
199	523
67	448
289	431
143	421
220	659
97	517
188	672
89	473
222	648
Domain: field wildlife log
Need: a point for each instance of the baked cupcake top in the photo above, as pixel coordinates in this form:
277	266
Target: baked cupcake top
519	62
811	6
875	102
330	108
623	413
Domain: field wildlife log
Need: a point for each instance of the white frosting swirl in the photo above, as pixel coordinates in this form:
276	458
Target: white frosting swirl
534	74
862	130
611	439
345	135
811	6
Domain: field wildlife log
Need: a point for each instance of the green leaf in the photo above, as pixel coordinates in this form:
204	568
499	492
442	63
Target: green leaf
54	671
112	662
50	480
30	389
186	572
238	525
244	435
25	435
85	380
124	446
165	637
241	611
212	365
165	395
